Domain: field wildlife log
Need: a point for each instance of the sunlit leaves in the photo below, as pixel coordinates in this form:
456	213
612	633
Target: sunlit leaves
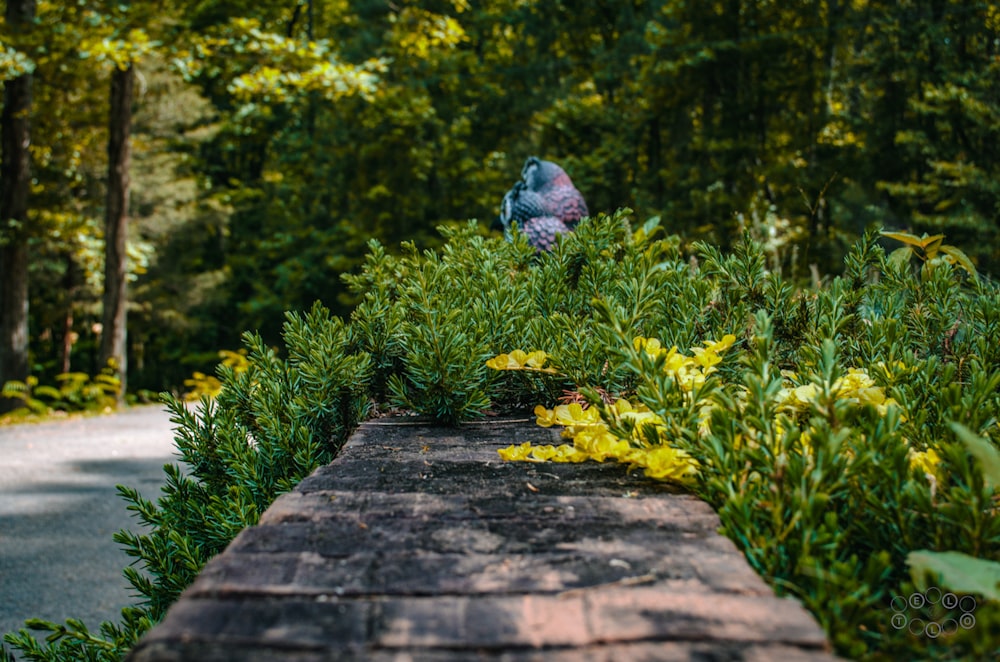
13	63
71	392
202	386
332	80
419	32
930	250
269	67
121	53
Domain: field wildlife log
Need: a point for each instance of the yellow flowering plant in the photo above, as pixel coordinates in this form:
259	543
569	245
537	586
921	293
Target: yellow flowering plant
815	422
690	372
623	431
593	439
856	387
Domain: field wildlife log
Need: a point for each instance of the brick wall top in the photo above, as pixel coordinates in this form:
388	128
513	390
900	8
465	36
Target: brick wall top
419	543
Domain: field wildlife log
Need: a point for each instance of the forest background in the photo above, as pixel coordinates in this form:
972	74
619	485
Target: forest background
270	141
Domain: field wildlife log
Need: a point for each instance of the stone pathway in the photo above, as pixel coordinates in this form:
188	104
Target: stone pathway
59	510
419	543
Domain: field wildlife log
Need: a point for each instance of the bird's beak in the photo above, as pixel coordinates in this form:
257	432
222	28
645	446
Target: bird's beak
497	224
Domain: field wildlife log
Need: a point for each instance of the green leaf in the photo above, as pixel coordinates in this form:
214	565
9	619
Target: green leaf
40	624
15	389
931	245
900	257
956	571
957	256
648	229
47	392
905	237
989	456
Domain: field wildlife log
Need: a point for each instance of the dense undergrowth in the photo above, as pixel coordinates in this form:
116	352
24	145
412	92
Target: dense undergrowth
838	431
74	392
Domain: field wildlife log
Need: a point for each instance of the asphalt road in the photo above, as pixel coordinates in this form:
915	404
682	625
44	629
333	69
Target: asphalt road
59	509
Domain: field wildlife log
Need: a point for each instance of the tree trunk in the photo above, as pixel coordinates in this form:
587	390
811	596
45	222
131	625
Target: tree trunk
113	333
15	182
67	341
68	335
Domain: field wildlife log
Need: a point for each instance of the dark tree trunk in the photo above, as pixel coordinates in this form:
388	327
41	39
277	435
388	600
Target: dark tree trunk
113	334
67	341
15	182
70	281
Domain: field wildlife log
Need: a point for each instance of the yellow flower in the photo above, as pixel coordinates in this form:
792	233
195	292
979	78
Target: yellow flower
806	444
803	395
501	362
593	440
542	453
722	345
856	379
575	414
545	418
569	453
521	360
515	453
651	346
640	418
571	415
705	358
599	444
666	463
546	453
926	462
690	371
536	359
705	420
674	361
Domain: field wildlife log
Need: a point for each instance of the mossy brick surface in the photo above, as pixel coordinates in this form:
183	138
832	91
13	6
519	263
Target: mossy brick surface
418	542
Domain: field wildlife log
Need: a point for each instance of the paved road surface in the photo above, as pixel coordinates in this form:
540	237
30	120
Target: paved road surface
59	509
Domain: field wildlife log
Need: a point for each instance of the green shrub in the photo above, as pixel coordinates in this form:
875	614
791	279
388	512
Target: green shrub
73	392
828	444
829	427
272	424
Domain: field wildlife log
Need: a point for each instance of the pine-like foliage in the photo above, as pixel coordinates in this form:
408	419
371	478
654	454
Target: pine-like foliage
431	320
841	432
272	425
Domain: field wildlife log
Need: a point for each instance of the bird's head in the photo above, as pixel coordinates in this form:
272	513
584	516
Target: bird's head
538	174
520	206
508	203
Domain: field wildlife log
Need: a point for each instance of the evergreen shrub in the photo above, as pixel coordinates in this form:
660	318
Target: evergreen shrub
845	434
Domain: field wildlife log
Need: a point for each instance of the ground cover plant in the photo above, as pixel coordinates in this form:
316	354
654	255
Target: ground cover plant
846	433
72	392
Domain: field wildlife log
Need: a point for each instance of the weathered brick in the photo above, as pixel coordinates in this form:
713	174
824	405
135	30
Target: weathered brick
418	543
